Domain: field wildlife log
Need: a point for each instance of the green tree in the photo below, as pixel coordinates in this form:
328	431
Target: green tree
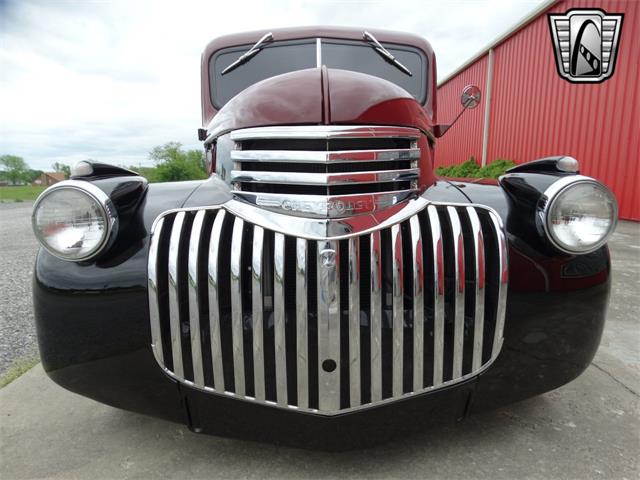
31	175
14	168
62	168
173	164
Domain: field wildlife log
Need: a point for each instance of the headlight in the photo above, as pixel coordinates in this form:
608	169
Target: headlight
74	220
578	214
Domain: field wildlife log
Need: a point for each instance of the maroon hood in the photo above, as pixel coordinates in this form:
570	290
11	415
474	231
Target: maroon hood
320	96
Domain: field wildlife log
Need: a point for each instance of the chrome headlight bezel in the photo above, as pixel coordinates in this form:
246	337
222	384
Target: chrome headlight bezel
553	194
105	207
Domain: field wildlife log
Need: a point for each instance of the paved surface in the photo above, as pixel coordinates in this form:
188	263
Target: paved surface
18	249
587	429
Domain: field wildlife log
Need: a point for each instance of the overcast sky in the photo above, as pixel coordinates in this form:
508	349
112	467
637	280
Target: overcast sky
109	80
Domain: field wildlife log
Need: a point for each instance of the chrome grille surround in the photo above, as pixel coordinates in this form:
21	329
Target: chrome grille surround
319	317
324	171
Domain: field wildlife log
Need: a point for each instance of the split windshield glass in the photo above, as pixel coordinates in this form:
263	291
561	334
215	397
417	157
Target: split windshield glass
281	57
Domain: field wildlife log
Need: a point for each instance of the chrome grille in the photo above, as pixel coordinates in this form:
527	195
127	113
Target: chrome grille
327	324
272	166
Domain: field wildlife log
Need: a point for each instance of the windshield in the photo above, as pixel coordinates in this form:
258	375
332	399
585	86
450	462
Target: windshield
282	57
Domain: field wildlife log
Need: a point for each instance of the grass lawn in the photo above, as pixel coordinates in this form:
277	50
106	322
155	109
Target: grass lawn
16	369
20	193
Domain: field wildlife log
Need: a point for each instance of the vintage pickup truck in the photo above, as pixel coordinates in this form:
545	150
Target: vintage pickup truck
322	288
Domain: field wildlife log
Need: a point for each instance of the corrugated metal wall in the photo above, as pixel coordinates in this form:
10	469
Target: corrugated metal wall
534	113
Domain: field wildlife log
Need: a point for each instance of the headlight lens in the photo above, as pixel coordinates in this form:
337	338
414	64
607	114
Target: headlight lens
72	221
581	215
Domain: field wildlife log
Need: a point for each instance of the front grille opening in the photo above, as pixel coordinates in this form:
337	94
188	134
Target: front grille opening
332	145
162	323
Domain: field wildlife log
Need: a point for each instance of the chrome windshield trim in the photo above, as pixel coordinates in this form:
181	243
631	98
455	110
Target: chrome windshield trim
325	132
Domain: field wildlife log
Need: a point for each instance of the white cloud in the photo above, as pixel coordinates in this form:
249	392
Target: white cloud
111	80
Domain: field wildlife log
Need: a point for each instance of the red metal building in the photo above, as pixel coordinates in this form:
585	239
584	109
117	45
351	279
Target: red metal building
529	111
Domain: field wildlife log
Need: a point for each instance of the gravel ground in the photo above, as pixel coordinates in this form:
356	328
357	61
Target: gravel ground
18	249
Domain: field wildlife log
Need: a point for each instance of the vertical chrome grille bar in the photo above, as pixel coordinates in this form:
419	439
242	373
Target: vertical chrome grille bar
194	300
458	254
418	304
214	305
398	309
236	306
375	320
174	301
257	314
438	294
279	319
302	333
152	277
502	282
354	321
328	325
478	248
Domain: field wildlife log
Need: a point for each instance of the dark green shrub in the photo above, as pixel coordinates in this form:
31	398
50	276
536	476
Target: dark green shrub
470	169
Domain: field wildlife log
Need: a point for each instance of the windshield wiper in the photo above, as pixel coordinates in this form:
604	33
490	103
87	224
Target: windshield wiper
386	54
246	56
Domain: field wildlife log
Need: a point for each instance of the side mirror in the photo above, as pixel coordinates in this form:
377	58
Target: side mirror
470	97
